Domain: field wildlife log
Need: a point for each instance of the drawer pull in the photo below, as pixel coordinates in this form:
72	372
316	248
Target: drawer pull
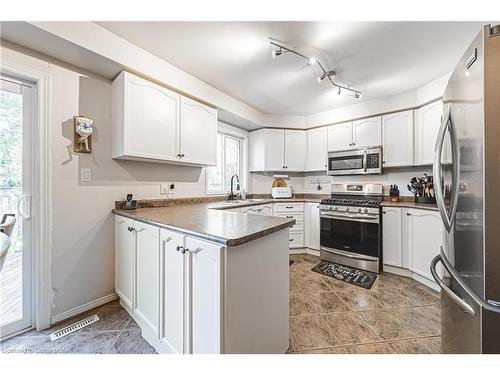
289	217
290	207
291	239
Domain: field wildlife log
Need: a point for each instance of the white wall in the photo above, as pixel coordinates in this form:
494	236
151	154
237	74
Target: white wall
83	229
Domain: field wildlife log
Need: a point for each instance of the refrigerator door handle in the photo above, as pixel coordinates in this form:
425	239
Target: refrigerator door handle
436	167
487	305
459	301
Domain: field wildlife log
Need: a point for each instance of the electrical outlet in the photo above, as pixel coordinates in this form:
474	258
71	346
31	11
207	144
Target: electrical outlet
85	175
163	189
171	188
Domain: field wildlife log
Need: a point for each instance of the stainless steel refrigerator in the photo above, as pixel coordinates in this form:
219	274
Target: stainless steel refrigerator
468	196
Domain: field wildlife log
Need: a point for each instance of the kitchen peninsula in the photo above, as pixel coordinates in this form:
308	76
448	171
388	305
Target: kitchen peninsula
198	278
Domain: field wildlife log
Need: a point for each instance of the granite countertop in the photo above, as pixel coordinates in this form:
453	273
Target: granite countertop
211	221
409	204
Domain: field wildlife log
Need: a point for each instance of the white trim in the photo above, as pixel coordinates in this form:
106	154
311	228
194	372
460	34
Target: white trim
304	250
415	276
82	308
42	281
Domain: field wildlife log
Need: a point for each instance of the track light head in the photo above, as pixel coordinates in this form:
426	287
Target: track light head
312	61
357	95
330	74
278	52
339	92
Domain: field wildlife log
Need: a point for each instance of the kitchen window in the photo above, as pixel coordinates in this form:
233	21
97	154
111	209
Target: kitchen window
229	162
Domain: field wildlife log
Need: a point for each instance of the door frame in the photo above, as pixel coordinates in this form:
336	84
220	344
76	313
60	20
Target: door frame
42	192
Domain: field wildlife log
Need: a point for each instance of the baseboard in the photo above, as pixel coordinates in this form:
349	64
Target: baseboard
82	308
415	276
305	250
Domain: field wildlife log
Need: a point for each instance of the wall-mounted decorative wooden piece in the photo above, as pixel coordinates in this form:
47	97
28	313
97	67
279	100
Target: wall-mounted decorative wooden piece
82	134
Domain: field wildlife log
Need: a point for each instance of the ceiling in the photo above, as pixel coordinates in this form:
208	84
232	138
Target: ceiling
379	58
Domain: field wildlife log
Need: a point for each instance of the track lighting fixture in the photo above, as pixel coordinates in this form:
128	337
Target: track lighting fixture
330	75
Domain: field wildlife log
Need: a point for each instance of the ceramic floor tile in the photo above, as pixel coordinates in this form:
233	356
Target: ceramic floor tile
349	329
436	341
389	297
426	321
91	342
377	348
336	350
300	305
358	299
386	325
131	342
313	284
327	302
112	317
132	326
417	346
310	332
419	296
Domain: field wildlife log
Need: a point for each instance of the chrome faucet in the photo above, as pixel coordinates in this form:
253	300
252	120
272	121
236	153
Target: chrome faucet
232	196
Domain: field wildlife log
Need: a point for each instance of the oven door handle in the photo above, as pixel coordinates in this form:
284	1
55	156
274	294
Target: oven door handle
365	219
365	161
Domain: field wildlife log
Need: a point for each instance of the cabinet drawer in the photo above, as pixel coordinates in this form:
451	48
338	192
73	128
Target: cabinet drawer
296	239
298	227
298	216
288	207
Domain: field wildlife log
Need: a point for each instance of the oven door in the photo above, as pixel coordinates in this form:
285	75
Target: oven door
357	238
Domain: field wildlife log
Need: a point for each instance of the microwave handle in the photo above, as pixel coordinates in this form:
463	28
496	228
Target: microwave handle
365	156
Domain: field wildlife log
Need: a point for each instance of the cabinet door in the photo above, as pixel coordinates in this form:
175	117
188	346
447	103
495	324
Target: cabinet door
147	272
274	149
427	127
172	304
314	226
366	132
150	120
340	137
425	236
124	260
397	135
391	234
317	144
295	150
205	296
198	133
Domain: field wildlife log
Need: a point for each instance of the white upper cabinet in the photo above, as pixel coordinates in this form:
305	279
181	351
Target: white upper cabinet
317	143
274	151
152	123
397	137
366	132
392	236
198	133
428	121
340	137
277	150
295	150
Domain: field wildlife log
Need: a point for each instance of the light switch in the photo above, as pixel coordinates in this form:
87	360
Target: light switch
85	175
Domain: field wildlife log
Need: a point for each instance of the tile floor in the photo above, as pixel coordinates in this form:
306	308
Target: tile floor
115	332
398	315
327	316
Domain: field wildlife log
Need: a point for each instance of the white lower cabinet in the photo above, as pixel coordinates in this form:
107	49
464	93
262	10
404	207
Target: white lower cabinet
312	226
124	260
147	285
204	296
411	238
391	234
172	286
293	210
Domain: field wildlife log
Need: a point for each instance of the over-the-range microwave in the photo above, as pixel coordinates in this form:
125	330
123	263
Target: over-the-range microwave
366	160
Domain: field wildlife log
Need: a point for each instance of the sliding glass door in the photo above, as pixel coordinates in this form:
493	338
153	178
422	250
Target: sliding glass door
17	118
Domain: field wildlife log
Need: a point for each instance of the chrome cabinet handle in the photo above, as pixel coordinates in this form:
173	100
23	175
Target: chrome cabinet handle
130	229
181	249
408	214
436	168
459	301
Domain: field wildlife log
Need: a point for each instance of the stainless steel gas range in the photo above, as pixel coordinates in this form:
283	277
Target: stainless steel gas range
350	226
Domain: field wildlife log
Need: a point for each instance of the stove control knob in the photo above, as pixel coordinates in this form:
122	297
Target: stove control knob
365	210
335	208
347	209
360	210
